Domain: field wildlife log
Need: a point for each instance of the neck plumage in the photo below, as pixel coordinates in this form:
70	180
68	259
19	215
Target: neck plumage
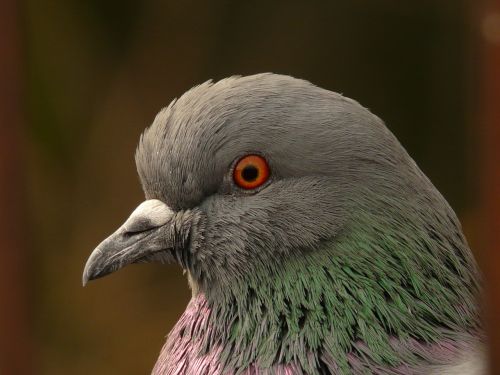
381	298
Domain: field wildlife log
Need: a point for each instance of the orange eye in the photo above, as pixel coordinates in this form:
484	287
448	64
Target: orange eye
251	171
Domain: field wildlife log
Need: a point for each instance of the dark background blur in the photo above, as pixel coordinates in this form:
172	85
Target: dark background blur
80	80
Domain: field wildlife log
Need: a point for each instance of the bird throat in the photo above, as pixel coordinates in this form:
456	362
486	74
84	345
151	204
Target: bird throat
361	302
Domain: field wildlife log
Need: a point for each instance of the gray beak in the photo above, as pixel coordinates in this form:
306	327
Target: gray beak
151	233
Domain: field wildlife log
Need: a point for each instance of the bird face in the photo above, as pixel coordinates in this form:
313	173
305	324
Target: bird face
248	172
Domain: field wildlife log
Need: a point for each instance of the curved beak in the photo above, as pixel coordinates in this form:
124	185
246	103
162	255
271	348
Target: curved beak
149	234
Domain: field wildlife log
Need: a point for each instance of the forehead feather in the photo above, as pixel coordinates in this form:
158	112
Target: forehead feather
184	154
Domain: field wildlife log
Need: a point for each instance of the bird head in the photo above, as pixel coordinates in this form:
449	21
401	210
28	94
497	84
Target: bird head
246	174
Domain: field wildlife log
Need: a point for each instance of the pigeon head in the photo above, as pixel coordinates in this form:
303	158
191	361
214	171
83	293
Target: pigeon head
322	151
270	191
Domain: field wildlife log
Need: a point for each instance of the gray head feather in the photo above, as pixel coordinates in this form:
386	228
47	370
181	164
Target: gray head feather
324	151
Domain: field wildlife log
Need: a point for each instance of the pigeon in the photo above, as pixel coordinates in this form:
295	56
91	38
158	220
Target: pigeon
311	240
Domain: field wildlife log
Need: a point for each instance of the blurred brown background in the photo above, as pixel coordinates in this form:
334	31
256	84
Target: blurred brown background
80	80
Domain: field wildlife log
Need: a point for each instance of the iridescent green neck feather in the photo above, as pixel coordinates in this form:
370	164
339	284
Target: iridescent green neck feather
381	293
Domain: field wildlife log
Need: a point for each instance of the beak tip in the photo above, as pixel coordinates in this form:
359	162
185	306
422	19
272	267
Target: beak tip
95	270
90	271
87	276
85	280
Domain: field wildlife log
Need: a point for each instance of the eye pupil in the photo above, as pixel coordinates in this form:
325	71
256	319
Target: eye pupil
250	173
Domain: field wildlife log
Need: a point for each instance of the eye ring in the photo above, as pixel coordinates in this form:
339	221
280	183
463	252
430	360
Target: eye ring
251	171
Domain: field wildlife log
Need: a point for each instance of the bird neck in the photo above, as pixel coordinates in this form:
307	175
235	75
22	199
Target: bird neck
373	296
